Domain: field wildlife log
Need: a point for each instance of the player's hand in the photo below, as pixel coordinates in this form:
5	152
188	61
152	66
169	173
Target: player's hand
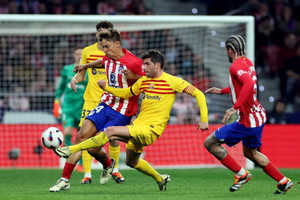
228	113
203	126
79	67
213	90
102	84
56	109
73	86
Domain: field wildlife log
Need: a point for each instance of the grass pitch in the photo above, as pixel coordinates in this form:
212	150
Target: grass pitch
186	184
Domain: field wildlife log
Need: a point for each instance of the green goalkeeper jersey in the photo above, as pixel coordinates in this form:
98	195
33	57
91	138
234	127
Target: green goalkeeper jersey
72	101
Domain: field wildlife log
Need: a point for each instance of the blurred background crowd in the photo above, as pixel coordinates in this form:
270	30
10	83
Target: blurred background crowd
277	49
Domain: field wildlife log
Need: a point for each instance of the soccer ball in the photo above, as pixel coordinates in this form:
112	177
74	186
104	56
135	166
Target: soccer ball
52	138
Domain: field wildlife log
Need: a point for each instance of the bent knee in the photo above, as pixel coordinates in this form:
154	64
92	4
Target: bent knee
130	164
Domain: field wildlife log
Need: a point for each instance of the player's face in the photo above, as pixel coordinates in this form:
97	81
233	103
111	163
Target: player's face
149	68
77	55
111	48
229	52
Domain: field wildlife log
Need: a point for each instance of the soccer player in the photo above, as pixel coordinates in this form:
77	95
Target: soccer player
112	110
92	97
158	91
250	124
73	102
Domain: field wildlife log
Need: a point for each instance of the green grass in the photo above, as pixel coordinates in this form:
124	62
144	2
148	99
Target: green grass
186	184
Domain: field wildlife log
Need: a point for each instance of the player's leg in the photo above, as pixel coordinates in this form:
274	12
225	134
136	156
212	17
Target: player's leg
143	136
284	184
86	157
88	130
114	153
213	144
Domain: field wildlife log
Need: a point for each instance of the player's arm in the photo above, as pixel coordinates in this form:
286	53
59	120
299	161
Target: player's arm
124	93
79	76
94	64
200	97
130	75
215	90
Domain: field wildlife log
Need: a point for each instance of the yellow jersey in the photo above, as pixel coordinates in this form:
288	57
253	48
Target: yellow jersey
158	96
89	54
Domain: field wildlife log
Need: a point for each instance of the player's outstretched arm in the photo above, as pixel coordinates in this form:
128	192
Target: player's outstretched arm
94	64
200	97
124	93
213	90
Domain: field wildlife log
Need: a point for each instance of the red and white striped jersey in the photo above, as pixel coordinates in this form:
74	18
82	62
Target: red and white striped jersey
243	91
117	79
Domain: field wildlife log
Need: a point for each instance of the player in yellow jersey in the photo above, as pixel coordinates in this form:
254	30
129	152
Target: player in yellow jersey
158	91
92	97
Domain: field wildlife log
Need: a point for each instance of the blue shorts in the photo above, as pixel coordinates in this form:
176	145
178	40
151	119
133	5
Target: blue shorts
104	116
233	133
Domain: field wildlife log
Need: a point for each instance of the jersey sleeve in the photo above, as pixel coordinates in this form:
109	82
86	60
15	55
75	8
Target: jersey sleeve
225	90
178	84
247	85
125	93
83	59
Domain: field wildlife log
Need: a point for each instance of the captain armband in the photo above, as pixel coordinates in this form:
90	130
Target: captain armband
190	89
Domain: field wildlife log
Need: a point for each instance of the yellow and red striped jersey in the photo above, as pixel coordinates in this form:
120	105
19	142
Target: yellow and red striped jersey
89	54
158	96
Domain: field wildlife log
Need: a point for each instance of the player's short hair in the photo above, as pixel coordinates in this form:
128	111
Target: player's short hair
110	35
155	56
237	44
104	24
78	47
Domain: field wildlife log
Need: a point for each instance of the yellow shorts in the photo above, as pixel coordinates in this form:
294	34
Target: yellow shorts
88	106
143	135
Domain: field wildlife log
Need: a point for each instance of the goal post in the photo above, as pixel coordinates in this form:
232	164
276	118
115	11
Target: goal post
36	47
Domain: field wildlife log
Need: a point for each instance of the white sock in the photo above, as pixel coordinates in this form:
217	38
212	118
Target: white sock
88	174
115	170
242	172
282	180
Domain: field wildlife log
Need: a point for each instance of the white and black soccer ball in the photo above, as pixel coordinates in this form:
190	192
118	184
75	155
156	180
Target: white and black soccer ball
52	138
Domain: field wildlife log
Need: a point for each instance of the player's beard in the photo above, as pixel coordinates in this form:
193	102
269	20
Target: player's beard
229	58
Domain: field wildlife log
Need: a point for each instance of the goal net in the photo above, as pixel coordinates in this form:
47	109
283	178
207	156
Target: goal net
34	48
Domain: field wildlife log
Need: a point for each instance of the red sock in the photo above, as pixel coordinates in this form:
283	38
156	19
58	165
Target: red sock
272	171
107	163
231	164
67	171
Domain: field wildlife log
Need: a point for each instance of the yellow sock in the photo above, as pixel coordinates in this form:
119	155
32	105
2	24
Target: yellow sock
97	141
87	161
114	153
144	167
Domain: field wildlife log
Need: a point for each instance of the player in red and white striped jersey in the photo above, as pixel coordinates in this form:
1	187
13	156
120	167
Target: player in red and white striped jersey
249	126
116	78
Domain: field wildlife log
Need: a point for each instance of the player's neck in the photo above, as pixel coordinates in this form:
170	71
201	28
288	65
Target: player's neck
235	58
119	55
158	74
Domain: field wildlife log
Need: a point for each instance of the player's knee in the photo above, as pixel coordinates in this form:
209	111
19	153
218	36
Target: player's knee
208	143
130	164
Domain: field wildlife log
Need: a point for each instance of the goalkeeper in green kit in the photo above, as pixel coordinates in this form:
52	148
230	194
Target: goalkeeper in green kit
72	101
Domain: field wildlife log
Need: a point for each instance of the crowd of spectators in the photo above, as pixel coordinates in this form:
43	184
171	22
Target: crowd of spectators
277	49
102	7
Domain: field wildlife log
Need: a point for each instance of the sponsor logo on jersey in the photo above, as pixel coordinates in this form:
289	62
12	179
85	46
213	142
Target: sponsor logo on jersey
94	71
147	96
241	72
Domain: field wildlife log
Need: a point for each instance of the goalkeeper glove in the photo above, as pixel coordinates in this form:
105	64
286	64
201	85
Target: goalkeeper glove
56	108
